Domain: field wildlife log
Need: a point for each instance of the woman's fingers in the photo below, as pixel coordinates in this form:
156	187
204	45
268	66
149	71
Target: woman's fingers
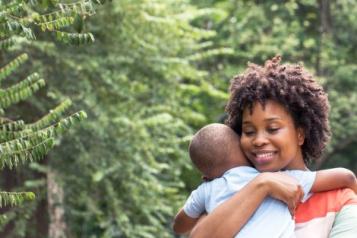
298	198
292	207
301	194
284	188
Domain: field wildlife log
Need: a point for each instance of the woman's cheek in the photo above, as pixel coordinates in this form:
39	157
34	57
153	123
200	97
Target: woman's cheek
244	143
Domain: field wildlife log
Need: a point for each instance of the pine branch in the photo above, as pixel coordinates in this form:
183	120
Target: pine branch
12	126
6	43
12	66
54	115
15	198
8	9
26	138
14	27
56	24
15	157
81	7
21	85
19	93
74	38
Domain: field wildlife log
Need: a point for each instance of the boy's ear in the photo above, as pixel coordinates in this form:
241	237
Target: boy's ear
301	136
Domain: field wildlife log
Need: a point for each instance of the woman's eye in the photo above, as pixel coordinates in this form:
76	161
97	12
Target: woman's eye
248	133
273	130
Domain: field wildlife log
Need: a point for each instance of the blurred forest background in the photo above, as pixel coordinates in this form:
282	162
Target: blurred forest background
157	71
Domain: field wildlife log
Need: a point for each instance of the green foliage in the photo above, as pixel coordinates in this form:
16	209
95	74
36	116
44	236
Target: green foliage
14	64
20	91
25	18
34	144
158	71
22	143
53	116
14	198
125	180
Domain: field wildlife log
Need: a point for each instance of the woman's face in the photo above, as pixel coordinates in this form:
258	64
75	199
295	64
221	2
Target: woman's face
270	139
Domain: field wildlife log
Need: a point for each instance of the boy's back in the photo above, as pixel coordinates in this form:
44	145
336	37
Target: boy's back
272	218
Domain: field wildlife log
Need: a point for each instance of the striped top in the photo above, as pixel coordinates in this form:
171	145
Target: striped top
316	217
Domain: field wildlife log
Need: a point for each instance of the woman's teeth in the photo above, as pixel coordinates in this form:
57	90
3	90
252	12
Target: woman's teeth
264	155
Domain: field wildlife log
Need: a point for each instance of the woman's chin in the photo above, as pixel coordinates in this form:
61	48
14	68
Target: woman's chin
266	167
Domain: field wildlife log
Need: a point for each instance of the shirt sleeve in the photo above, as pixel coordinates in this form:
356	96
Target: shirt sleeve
345	223
195	204
306	180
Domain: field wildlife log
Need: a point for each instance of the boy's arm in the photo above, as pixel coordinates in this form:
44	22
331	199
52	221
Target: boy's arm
191	212
331	179
183	223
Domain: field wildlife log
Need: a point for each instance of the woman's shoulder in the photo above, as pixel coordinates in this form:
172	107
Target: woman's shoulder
320	204
319	213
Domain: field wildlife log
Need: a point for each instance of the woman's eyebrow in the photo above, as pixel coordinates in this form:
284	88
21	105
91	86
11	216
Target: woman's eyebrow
266	119
272	119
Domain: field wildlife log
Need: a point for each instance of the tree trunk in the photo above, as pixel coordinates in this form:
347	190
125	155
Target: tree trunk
57	226
325	16
324	30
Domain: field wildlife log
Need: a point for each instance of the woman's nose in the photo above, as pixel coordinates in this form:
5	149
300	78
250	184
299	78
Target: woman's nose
260	140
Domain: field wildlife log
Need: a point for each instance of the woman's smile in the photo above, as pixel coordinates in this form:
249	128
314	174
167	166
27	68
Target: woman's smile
263	157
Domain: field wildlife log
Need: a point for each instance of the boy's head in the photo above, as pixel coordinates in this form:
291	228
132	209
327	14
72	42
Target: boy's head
214	149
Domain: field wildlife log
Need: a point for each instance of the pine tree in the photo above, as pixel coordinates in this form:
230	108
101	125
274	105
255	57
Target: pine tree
24	142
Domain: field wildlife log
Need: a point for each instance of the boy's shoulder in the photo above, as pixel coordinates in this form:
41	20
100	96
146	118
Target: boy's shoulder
241	171
299	171
234	175
301	174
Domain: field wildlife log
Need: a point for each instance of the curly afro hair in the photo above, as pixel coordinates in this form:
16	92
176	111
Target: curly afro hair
294	88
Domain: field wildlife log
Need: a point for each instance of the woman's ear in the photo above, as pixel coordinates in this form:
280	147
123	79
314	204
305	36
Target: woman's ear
301	136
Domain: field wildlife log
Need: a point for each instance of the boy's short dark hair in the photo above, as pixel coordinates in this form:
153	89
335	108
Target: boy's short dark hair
294	88
212	146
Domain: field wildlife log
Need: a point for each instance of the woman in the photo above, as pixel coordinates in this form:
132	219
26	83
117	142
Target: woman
281	115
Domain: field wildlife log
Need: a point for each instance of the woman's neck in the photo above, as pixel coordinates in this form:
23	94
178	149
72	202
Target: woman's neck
297	163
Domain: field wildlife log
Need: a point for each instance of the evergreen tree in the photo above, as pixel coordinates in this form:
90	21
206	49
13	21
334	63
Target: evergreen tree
22	142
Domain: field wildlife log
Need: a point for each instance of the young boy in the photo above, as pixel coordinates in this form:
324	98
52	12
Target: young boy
215	151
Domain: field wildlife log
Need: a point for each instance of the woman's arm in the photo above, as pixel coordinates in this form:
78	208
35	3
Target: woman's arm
331	179
227	219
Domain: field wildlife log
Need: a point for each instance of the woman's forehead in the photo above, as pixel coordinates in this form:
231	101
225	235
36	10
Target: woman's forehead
267	107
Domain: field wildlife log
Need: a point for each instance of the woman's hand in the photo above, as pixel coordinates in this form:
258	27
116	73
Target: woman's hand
282	187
